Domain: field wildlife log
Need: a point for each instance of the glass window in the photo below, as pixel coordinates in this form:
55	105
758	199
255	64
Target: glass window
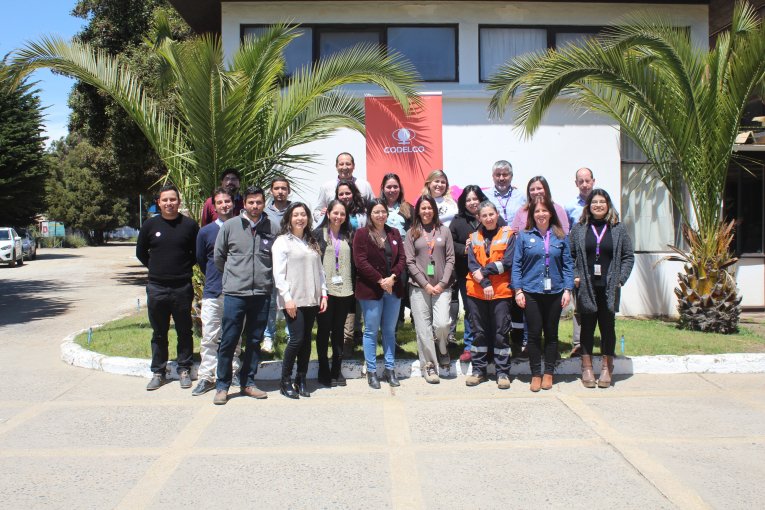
335	40
498	45
432	50
298	53
744	192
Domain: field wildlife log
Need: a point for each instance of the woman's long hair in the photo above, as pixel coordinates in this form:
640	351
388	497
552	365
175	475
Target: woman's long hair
371	229
545	185
470	188
555	225
345	228
286	225
416	230
612	217
405	208
432	176
357	204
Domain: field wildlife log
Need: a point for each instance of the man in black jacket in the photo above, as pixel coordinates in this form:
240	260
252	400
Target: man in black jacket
167	246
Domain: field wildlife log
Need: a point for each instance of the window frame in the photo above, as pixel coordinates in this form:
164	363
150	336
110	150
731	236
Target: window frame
380	28
735	172
552	32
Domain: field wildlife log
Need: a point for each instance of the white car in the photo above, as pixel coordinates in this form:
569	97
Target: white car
10	247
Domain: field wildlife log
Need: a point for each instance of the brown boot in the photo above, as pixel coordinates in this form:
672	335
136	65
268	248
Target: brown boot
604	381
588	378
547	381
536	383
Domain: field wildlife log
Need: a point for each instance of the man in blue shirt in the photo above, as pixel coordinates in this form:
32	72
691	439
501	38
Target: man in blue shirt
585	182
212	295
507	198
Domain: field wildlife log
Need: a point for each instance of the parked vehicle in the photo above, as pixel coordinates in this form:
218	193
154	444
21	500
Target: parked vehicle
28	244
10	247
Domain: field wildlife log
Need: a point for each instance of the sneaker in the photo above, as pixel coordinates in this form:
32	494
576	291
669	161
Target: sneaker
431	376
474	379
254	392
221	397
185	378
503	382
466	357
267	345
443	359
203	387
157	380
443	370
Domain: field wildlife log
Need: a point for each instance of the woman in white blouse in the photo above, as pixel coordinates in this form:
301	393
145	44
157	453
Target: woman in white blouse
437	186
301	292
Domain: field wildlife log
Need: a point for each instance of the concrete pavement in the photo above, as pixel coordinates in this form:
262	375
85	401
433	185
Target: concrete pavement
75	438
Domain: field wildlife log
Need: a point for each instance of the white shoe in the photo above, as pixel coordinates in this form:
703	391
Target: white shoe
267	345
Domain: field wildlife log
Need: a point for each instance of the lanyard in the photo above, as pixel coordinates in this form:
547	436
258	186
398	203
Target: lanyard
503	205
547	252
431	242
336	244
598	239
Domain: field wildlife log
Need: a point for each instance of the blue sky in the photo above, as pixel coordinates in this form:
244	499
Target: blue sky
27	21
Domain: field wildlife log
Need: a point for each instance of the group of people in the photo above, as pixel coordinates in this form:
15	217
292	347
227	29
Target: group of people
516	260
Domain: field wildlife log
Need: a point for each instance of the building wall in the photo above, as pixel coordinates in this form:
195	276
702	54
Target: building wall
566	140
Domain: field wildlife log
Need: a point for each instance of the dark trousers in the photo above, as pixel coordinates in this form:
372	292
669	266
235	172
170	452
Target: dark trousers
299	345
543	314
490	323
606	322
331	324
248	313
518	324
165	301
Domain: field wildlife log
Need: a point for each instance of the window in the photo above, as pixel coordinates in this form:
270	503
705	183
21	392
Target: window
499	44
432	49
744	191
647	210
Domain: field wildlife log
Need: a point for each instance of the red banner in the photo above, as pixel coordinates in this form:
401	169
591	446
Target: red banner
408	145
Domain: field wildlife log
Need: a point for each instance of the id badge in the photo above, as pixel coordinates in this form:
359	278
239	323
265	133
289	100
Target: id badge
337	280
548	284
596	270
431	269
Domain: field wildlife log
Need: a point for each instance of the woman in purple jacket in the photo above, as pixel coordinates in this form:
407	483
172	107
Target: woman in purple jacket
379	257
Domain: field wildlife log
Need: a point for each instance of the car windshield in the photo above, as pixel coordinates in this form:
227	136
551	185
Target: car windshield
5	234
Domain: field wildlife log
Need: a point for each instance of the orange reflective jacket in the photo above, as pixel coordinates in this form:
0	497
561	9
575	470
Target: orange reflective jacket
500	282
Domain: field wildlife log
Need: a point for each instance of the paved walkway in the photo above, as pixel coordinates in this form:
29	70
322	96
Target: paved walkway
73	438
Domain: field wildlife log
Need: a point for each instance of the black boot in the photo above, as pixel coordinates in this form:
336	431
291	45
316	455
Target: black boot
324	375
373	381
389	375
337	371
286	387
300	385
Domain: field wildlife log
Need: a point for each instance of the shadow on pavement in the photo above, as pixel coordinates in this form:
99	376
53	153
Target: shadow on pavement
41	255
132	277
25	301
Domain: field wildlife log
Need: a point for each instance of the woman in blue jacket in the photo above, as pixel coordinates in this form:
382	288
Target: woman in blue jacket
542	279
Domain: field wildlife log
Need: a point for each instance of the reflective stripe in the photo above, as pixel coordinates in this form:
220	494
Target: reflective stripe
502	352
500	267
475	348
517	325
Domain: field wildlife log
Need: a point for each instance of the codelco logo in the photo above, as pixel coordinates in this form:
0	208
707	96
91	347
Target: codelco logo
404	138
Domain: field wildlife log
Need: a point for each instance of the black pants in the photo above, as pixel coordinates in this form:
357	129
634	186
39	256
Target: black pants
543	314
490	323
606	322
299	345
331	324
165	301
518	320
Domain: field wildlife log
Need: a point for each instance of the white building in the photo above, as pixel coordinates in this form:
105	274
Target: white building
456	45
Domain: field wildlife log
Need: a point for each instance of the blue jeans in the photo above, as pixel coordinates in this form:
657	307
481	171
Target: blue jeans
467	337
378	313
241	312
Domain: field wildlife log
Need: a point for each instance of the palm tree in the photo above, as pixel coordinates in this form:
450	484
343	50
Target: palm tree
682	107
248	115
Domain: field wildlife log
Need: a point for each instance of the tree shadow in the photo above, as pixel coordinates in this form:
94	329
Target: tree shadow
41	255
26	301
132	277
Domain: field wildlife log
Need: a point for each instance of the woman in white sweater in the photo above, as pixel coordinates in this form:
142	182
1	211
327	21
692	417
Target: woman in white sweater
301	292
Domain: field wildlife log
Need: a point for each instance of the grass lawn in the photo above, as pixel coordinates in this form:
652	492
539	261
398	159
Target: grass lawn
131	336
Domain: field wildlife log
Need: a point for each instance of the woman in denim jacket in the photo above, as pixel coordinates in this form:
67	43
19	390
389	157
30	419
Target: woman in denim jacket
542	279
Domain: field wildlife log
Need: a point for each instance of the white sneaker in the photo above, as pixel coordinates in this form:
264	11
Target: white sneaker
267	345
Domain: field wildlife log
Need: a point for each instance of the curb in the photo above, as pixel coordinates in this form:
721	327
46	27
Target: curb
735	363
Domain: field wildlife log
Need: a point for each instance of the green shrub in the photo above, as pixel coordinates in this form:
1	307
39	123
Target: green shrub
74	241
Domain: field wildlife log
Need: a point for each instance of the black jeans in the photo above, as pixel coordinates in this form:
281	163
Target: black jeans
164	301
251	314
543	314
331	324
299	345
490	324
606	322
